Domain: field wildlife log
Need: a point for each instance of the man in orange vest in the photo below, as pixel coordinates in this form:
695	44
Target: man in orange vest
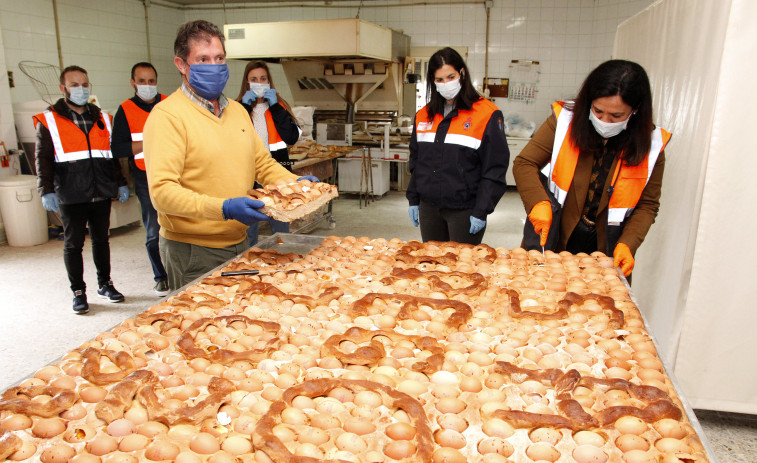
77	175
127	143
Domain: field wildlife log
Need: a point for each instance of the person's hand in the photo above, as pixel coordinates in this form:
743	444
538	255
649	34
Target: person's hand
249	97
270	96
476	225
311	178
50	202
541	219
123	193
244	209
413	211
623	258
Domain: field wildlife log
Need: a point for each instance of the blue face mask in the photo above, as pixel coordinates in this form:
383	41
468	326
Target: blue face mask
208	80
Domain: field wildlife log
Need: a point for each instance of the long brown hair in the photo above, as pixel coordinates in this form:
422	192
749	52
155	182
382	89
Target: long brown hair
245	85
629	81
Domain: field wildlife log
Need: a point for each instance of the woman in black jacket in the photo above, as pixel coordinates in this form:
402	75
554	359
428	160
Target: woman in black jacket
458	155
273	120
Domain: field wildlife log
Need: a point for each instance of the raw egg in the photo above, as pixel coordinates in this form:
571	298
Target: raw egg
589	454
670	428
450	405
627	442
26	451
48	427
448	455
631	425
351	442
133	442
16	422
449	438
121	427
161	450
101	445
398	450
542	451
58	453
236	445
204	443
495	445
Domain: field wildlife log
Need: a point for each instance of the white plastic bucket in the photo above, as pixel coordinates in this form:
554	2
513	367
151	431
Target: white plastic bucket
24	218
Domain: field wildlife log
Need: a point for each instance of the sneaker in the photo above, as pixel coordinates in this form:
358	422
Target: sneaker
80	303
161	288
107	291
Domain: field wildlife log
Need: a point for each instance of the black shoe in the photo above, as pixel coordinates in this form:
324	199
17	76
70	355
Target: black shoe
107	291
161	288
80	303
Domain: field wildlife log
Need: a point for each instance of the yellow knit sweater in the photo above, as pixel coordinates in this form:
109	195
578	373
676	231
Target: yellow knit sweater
195	161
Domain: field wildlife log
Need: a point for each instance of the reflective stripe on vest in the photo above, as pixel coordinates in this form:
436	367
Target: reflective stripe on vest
75	139
632	179
466	129
275	142
136	118
630	182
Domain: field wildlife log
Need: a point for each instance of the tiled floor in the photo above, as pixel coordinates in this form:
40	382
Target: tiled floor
39	326
732	436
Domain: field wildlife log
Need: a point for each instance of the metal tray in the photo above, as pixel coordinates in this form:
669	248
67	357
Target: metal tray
303	244
676	386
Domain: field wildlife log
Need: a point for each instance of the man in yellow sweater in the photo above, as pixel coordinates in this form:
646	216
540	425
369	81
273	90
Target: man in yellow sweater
202	155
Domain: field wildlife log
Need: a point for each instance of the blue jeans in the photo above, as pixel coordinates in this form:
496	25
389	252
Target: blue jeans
150	220
276	227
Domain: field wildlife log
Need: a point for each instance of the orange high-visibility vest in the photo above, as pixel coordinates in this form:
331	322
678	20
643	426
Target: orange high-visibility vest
467	129
70	142
275	142
630	181
136	118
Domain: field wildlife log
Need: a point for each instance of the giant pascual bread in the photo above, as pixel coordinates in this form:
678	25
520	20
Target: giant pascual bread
367	351
288	202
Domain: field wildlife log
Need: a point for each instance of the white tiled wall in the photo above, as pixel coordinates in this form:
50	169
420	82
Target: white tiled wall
105	38
568	37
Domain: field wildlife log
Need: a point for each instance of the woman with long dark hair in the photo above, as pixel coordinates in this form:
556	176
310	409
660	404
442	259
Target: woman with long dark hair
604	161
273	121
458	155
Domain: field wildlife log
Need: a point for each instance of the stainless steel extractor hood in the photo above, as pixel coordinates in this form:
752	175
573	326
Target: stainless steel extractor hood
332	64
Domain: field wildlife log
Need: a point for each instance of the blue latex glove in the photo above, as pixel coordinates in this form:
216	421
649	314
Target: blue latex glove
312	178
249	97
50	202
476	225
123	193
413	211
244	209
270	96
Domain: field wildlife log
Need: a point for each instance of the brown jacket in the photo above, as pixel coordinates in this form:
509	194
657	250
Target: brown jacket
538	153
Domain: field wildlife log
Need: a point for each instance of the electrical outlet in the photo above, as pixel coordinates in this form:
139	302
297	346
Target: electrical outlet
10	79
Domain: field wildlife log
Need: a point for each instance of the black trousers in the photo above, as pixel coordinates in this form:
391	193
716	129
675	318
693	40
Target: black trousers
75	218
438	224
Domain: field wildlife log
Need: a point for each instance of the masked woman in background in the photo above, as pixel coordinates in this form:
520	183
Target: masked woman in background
604	160
274	122
458	155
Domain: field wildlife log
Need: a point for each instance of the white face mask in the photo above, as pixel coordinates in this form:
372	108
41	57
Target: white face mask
448	90
78	95
608	129
147	92
259	89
